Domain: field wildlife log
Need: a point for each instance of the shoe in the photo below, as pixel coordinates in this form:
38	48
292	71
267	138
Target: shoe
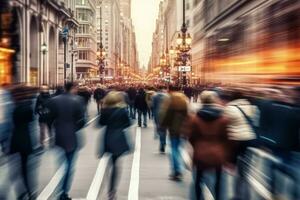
176	177
162	150
112	195
65	197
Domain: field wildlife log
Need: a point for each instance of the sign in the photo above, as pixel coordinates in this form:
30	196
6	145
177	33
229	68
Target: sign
185	68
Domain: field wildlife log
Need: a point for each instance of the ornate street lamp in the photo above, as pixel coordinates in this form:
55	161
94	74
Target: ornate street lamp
101	54
184	41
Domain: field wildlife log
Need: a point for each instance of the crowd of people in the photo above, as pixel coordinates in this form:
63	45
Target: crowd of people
228	122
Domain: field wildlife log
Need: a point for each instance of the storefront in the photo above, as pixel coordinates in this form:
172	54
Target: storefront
6	65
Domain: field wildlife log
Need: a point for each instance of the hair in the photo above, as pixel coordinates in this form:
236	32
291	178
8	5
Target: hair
69	86
209	97
114	99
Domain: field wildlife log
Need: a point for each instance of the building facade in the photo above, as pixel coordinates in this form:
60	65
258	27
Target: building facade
38	43
86	68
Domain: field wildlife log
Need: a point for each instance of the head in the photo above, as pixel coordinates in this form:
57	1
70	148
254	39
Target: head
114	99
209	97
71	88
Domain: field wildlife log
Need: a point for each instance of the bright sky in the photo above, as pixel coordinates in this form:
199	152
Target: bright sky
144	14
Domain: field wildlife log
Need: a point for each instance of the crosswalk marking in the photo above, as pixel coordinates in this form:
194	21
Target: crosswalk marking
133	193
98	178
52	185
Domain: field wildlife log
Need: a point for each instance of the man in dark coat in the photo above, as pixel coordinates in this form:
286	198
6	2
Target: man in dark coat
142	107
42	110
99	94
67	111
132	95
21	142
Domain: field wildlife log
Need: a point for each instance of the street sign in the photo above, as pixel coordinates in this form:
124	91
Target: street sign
184	68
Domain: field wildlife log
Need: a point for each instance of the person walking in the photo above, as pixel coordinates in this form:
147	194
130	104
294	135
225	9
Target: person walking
132	95
21	143
68	113
116	120
42	110
6	109
173	120
243	118
142	107
207	133
157	103
99	94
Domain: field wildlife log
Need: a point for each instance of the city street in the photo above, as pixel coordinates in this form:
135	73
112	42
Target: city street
144	172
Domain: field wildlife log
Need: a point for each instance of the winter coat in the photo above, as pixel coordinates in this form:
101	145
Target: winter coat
140	101
116	121
207	133
22	127
175	114
157	102
68	113
131	95
239	129
99	94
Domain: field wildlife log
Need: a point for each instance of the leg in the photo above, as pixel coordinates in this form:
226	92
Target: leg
198	181
145	118
139	118
69	156
24	170
98	106
175	142
43	127
162	138
218	183
114	174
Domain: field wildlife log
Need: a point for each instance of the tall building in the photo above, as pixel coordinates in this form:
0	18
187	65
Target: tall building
118	38
86	67
37	41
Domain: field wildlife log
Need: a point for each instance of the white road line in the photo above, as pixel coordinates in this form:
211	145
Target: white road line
50	188
98	178
54	182
133	193
92	120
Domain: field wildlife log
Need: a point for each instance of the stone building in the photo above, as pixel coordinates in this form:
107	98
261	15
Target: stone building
40	48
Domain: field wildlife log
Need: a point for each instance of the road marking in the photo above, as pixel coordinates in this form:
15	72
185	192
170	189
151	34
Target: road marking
98	178
92	120
133	193
52	185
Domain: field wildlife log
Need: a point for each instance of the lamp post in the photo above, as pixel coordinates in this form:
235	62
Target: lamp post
44	51
101	51
183	41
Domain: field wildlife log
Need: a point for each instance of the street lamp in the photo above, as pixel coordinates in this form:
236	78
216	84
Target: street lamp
44	51
101	51
184	41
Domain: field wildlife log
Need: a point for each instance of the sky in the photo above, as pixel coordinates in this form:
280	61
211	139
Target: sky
144	14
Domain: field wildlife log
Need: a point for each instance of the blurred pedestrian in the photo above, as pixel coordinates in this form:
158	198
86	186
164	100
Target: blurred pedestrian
157	103
6	109
42	110
243	118
99	94
142	107
68	113
116	119
207	133
132	95
85	93
173	120
149	95
21	143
